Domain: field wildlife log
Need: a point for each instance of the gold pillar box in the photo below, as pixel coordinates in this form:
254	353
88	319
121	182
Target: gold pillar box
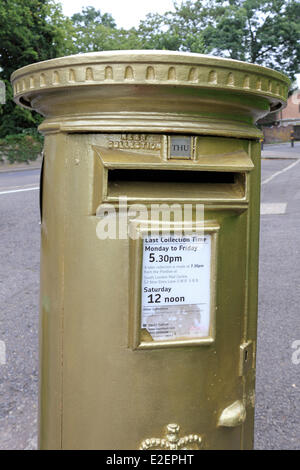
148	323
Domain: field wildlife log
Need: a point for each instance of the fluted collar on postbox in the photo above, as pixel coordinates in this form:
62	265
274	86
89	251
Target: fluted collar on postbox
143	91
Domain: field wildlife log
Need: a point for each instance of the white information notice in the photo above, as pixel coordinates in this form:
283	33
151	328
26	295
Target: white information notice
176	286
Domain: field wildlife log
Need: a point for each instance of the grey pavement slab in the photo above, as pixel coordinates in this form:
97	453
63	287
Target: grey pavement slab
19	179
20	166
284	150
277	424
19	288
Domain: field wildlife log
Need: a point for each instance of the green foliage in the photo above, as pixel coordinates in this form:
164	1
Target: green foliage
99	37
21	147
13	119
265	32
91	16
30	31
93	31
180	30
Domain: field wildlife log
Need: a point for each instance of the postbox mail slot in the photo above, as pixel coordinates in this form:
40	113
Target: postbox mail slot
171	184
170	176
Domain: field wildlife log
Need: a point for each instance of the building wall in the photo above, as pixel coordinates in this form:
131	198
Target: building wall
286	123
292	110
277	134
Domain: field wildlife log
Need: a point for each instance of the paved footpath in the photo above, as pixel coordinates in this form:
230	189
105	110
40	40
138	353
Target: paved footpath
284	150
19	290
277	424
12	167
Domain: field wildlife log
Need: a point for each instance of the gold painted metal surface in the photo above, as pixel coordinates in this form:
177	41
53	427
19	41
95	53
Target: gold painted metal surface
246	357
111	118
172	441
142	91
234	415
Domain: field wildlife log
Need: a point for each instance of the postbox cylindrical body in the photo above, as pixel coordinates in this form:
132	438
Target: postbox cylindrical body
149	247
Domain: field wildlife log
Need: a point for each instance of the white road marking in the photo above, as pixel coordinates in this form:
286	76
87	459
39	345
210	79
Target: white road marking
2	353
281	171
275	208
10	191
22	186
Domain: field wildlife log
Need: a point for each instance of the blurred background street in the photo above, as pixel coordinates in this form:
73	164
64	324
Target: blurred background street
278	379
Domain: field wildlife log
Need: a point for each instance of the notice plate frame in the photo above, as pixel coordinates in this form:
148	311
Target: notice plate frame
139	338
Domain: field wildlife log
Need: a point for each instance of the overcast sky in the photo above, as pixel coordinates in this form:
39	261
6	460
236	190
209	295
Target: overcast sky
127	13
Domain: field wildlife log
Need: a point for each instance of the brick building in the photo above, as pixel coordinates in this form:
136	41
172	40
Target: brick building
280	126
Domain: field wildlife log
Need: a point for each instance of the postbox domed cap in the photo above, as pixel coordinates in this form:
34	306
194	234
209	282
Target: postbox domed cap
113	82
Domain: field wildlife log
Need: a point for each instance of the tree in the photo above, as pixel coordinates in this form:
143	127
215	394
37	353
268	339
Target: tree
257	31
179	31
30	31
264	32
96	31
90	16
